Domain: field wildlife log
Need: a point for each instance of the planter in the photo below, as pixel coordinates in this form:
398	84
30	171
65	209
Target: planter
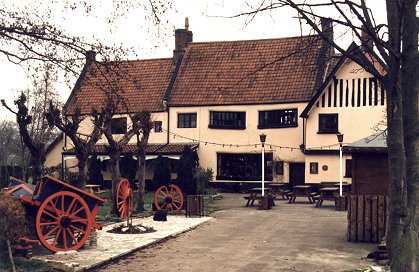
341	203
266	202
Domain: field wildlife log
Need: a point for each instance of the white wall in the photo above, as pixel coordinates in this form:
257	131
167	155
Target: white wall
277	138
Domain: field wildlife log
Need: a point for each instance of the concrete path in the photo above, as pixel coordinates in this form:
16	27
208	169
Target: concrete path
111	246
290	237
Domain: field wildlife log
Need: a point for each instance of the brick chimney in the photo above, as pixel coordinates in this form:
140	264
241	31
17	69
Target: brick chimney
327	29
366	39
182	38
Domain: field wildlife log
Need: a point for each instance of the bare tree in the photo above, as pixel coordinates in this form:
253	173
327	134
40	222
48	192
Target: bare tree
33	128
393	61
143	134
27	37
83	143
140	125
9	148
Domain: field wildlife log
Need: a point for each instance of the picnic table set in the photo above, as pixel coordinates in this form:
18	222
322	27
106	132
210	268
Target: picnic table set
305	191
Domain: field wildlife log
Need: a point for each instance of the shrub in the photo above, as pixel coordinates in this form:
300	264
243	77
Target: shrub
161	172
202	178
12	223
186	170
128	167
94	170
12	214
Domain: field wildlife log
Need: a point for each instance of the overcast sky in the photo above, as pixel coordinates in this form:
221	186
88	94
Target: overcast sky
206	20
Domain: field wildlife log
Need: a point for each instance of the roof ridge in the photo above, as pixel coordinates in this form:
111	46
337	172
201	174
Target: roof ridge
254	40
133	60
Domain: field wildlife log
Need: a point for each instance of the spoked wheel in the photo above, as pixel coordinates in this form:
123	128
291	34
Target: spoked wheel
63	222
169	197
124	199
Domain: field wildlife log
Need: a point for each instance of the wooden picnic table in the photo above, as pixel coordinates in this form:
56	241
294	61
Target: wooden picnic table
345	187
92	188
278	189
301	190
254	194
326	193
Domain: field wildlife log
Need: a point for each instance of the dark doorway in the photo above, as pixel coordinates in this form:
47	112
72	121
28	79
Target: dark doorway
297	173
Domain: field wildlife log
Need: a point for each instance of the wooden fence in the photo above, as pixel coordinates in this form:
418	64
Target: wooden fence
367	218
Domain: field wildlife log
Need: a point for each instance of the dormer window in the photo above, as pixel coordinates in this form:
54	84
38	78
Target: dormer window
119	125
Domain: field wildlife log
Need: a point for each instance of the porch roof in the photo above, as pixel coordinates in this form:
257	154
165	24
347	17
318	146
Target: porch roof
151	149
376	143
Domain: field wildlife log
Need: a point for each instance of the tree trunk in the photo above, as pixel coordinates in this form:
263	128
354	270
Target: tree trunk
116	177
80	181
402	240
12	262
410	91
140	176
37	163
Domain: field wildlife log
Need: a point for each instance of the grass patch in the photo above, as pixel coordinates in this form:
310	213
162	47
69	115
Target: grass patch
209	206
104	213
24	264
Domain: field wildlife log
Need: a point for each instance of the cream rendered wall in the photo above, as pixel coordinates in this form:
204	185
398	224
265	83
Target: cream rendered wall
156	138
53	157
284	137
354	122
332	172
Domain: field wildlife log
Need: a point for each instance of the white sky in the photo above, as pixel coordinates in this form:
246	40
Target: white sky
133	30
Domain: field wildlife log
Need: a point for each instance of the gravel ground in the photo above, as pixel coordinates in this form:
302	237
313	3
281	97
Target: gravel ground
290	237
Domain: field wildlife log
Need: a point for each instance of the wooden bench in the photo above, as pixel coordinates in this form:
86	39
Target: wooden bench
94	189
303	191
251	200
327	193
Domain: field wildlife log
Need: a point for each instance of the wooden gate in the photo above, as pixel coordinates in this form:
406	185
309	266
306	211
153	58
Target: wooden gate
367	218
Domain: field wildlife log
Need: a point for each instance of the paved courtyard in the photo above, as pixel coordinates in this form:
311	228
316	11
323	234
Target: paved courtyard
290	237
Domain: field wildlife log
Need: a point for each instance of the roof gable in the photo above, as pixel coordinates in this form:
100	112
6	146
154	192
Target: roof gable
250	72
352	49
140	84
322	88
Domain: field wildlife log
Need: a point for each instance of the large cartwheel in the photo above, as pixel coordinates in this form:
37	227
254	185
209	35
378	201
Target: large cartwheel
169	197
63	221
124	200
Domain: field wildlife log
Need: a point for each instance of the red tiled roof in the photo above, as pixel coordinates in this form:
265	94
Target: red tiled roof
249	72
151	149
142	85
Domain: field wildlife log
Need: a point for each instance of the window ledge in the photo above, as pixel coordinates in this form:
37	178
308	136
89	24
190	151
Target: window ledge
226	127
273	127
328	132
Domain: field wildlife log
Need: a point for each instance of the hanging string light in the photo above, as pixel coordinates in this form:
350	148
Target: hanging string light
272	146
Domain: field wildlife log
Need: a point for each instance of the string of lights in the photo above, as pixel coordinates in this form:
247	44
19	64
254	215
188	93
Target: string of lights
230	145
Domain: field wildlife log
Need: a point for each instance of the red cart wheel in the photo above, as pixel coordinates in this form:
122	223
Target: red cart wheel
63	222
124	199
169	197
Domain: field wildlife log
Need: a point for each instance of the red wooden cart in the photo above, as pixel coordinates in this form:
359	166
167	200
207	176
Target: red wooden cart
65	215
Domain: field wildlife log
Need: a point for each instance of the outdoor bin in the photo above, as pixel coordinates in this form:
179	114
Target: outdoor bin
341	203
266	202
195	205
